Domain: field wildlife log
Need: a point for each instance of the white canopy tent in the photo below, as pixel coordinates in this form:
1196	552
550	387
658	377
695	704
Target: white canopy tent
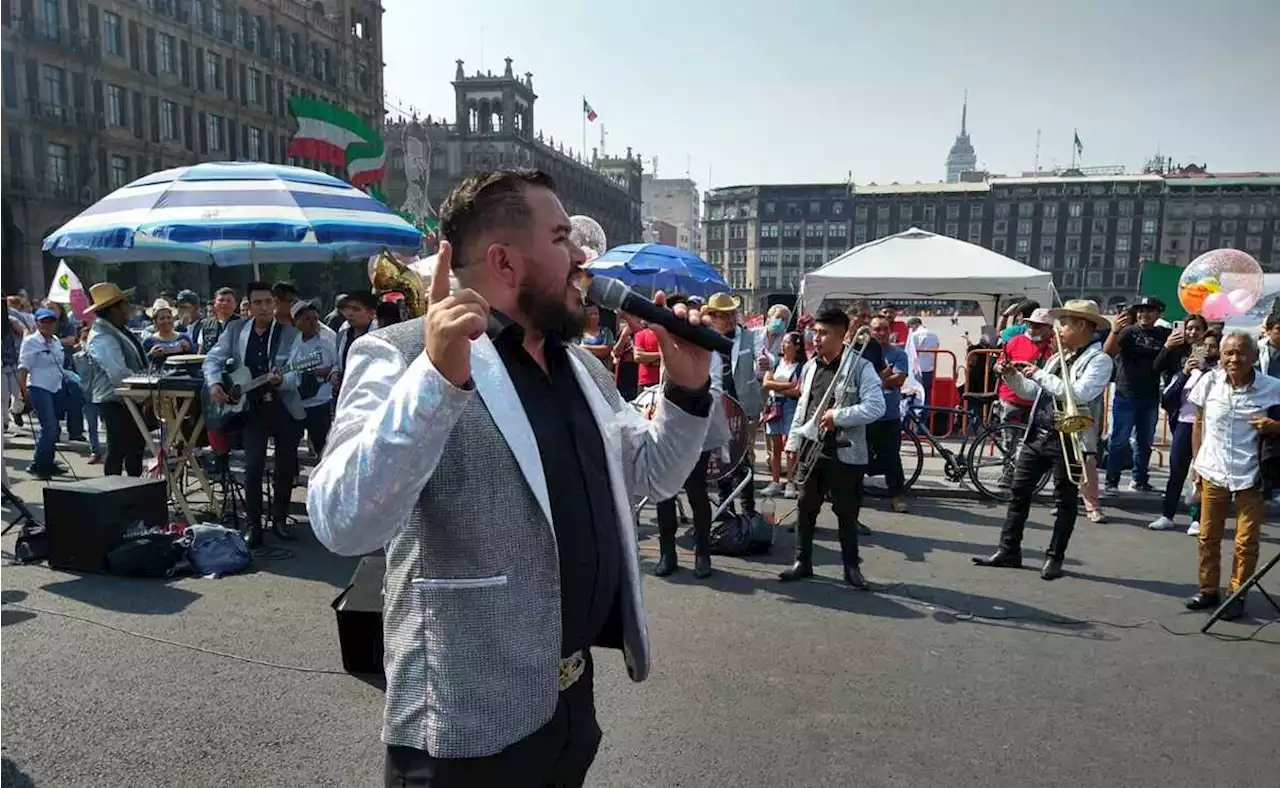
920	264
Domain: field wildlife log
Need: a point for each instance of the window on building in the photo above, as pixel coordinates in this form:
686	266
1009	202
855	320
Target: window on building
1022	245
218	16
1050	210
1124	226
813	230
882	212
769	230
1253	243
1024	227
255	143
999	245
1120	261
1122	243
1151	208
1101	208
1001	227
1227	243
166	44
241	27
217	133
213	70
1119	278
254	87
953	211
837	208
58	164
837	229
1256	225
1073	244
1069	279
1258	209
791	230
1048	243
1148	244
50	19
1093	278
859	234
1126	207
168	120
882	229
737	230
953	229
1071	260
929	212
716	232
860	213
1026	210
117	103
1075	226
1099	226
1046	262
113	33
815	207
975	210
53	86
906	212
1075	209
1148	226
1049	227
1231	209
119	171
1200	244
1002	210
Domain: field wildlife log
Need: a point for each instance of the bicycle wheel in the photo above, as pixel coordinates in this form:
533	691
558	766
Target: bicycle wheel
990	461
912	454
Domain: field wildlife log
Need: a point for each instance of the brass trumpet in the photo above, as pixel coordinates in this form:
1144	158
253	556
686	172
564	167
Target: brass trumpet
1069	420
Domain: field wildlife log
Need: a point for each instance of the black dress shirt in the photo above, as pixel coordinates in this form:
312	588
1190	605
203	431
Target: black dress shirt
578	487
726	369
823	375
257	359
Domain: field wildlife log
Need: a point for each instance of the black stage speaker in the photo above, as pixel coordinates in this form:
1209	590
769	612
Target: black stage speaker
359	611
85	519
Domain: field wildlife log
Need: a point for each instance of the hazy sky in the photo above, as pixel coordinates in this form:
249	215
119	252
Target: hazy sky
807	90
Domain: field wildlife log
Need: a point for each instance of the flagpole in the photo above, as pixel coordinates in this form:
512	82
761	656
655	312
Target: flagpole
583	109
1075	135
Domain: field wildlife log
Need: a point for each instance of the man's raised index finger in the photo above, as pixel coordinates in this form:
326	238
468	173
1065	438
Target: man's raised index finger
440	277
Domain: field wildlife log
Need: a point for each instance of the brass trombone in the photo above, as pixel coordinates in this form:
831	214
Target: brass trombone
1069	420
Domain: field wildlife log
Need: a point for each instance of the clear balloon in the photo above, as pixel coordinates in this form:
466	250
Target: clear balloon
1221	283
588	234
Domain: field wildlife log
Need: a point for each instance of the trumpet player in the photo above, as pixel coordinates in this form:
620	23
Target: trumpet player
1064	395
838	398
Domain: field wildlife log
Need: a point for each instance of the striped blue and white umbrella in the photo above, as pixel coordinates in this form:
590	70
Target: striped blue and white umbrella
234	213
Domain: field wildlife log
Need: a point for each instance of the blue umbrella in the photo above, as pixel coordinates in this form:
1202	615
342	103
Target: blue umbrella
659	267
234	213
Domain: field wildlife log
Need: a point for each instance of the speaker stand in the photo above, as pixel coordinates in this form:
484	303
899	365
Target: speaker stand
25	517
1253	582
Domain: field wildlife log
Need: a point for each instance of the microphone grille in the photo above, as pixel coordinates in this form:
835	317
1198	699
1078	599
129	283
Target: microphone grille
606	292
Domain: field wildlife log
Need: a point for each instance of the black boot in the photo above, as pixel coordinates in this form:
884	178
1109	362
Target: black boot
667	561
1233	609
1204	600
702	565
798	571
283	530
853	576
253	536
1052	569
1002	557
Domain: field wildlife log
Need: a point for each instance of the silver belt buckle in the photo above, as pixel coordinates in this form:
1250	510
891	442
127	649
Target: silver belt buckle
571	669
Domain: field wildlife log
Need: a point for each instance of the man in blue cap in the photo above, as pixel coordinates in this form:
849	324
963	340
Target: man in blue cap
41	382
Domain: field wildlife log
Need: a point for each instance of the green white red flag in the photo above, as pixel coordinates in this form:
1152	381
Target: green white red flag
337	136
586	108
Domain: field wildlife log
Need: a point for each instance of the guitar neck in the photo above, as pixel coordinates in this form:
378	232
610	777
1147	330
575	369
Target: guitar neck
261	380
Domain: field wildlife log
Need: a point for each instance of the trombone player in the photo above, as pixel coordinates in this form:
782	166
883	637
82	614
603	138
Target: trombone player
1064	396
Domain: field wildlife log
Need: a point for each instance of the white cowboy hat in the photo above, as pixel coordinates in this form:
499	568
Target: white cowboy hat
1082	308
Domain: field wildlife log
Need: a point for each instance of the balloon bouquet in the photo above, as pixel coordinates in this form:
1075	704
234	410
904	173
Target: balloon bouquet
1220	284
588	234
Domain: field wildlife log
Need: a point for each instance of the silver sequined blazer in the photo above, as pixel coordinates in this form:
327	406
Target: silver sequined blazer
451	482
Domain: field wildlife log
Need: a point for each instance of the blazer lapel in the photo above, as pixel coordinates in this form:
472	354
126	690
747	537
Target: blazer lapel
499	395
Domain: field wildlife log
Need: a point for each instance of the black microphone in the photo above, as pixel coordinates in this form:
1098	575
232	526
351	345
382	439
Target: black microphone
613	294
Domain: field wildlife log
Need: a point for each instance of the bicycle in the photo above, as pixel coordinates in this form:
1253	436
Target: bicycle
991	438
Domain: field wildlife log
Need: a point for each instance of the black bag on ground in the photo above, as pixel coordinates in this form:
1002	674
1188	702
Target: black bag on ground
743	534
147	555
32	545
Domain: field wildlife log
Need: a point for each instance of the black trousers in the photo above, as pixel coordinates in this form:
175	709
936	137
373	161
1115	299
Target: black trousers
695	488
263	423
319	419
557	755
1041	452
844	483
746	468
884	441
125	442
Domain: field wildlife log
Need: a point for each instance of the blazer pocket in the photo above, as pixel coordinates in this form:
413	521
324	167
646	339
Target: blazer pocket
458	582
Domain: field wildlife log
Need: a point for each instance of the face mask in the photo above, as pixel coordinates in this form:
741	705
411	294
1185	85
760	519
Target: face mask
808	336
776	325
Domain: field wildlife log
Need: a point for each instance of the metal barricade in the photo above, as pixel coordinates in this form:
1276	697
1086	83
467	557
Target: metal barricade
944	396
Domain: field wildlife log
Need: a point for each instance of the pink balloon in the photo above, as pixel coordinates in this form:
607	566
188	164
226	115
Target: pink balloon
1241	300
1216	306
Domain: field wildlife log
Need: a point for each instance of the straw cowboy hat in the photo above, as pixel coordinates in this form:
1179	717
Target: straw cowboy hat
1082	308
104	294
160	305
722	302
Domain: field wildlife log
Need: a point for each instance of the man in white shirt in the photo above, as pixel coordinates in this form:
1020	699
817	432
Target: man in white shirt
314	386
1231	422
40	381
920	339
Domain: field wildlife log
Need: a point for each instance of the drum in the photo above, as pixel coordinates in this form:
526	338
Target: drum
185	364
723	462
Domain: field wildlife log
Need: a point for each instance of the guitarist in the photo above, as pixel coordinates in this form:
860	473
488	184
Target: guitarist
262	345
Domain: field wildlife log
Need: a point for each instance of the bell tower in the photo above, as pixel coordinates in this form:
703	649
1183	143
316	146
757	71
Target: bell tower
492	105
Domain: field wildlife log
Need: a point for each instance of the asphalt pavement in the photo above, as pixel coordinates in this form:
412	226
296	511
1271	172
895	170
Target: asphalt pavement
946	675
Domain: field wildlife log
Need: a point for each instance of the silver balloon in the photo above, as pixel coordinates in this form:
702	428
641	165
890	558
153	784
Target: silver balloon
588	234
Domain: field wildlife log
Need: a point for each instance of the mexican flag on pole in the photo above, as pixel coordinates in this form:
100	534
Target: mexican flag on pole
588	111
339	137
66	289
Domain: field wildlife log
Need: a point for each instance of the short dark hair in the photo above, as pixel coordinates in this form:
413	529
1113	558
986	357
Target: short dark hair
1027	307
282	289
1273	320
1197	319
362	298
834	318
253	287
485	200
224	291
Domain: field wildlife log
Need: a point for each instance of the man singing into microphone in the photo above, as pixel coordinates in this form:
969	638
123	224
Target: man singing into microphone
496	462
